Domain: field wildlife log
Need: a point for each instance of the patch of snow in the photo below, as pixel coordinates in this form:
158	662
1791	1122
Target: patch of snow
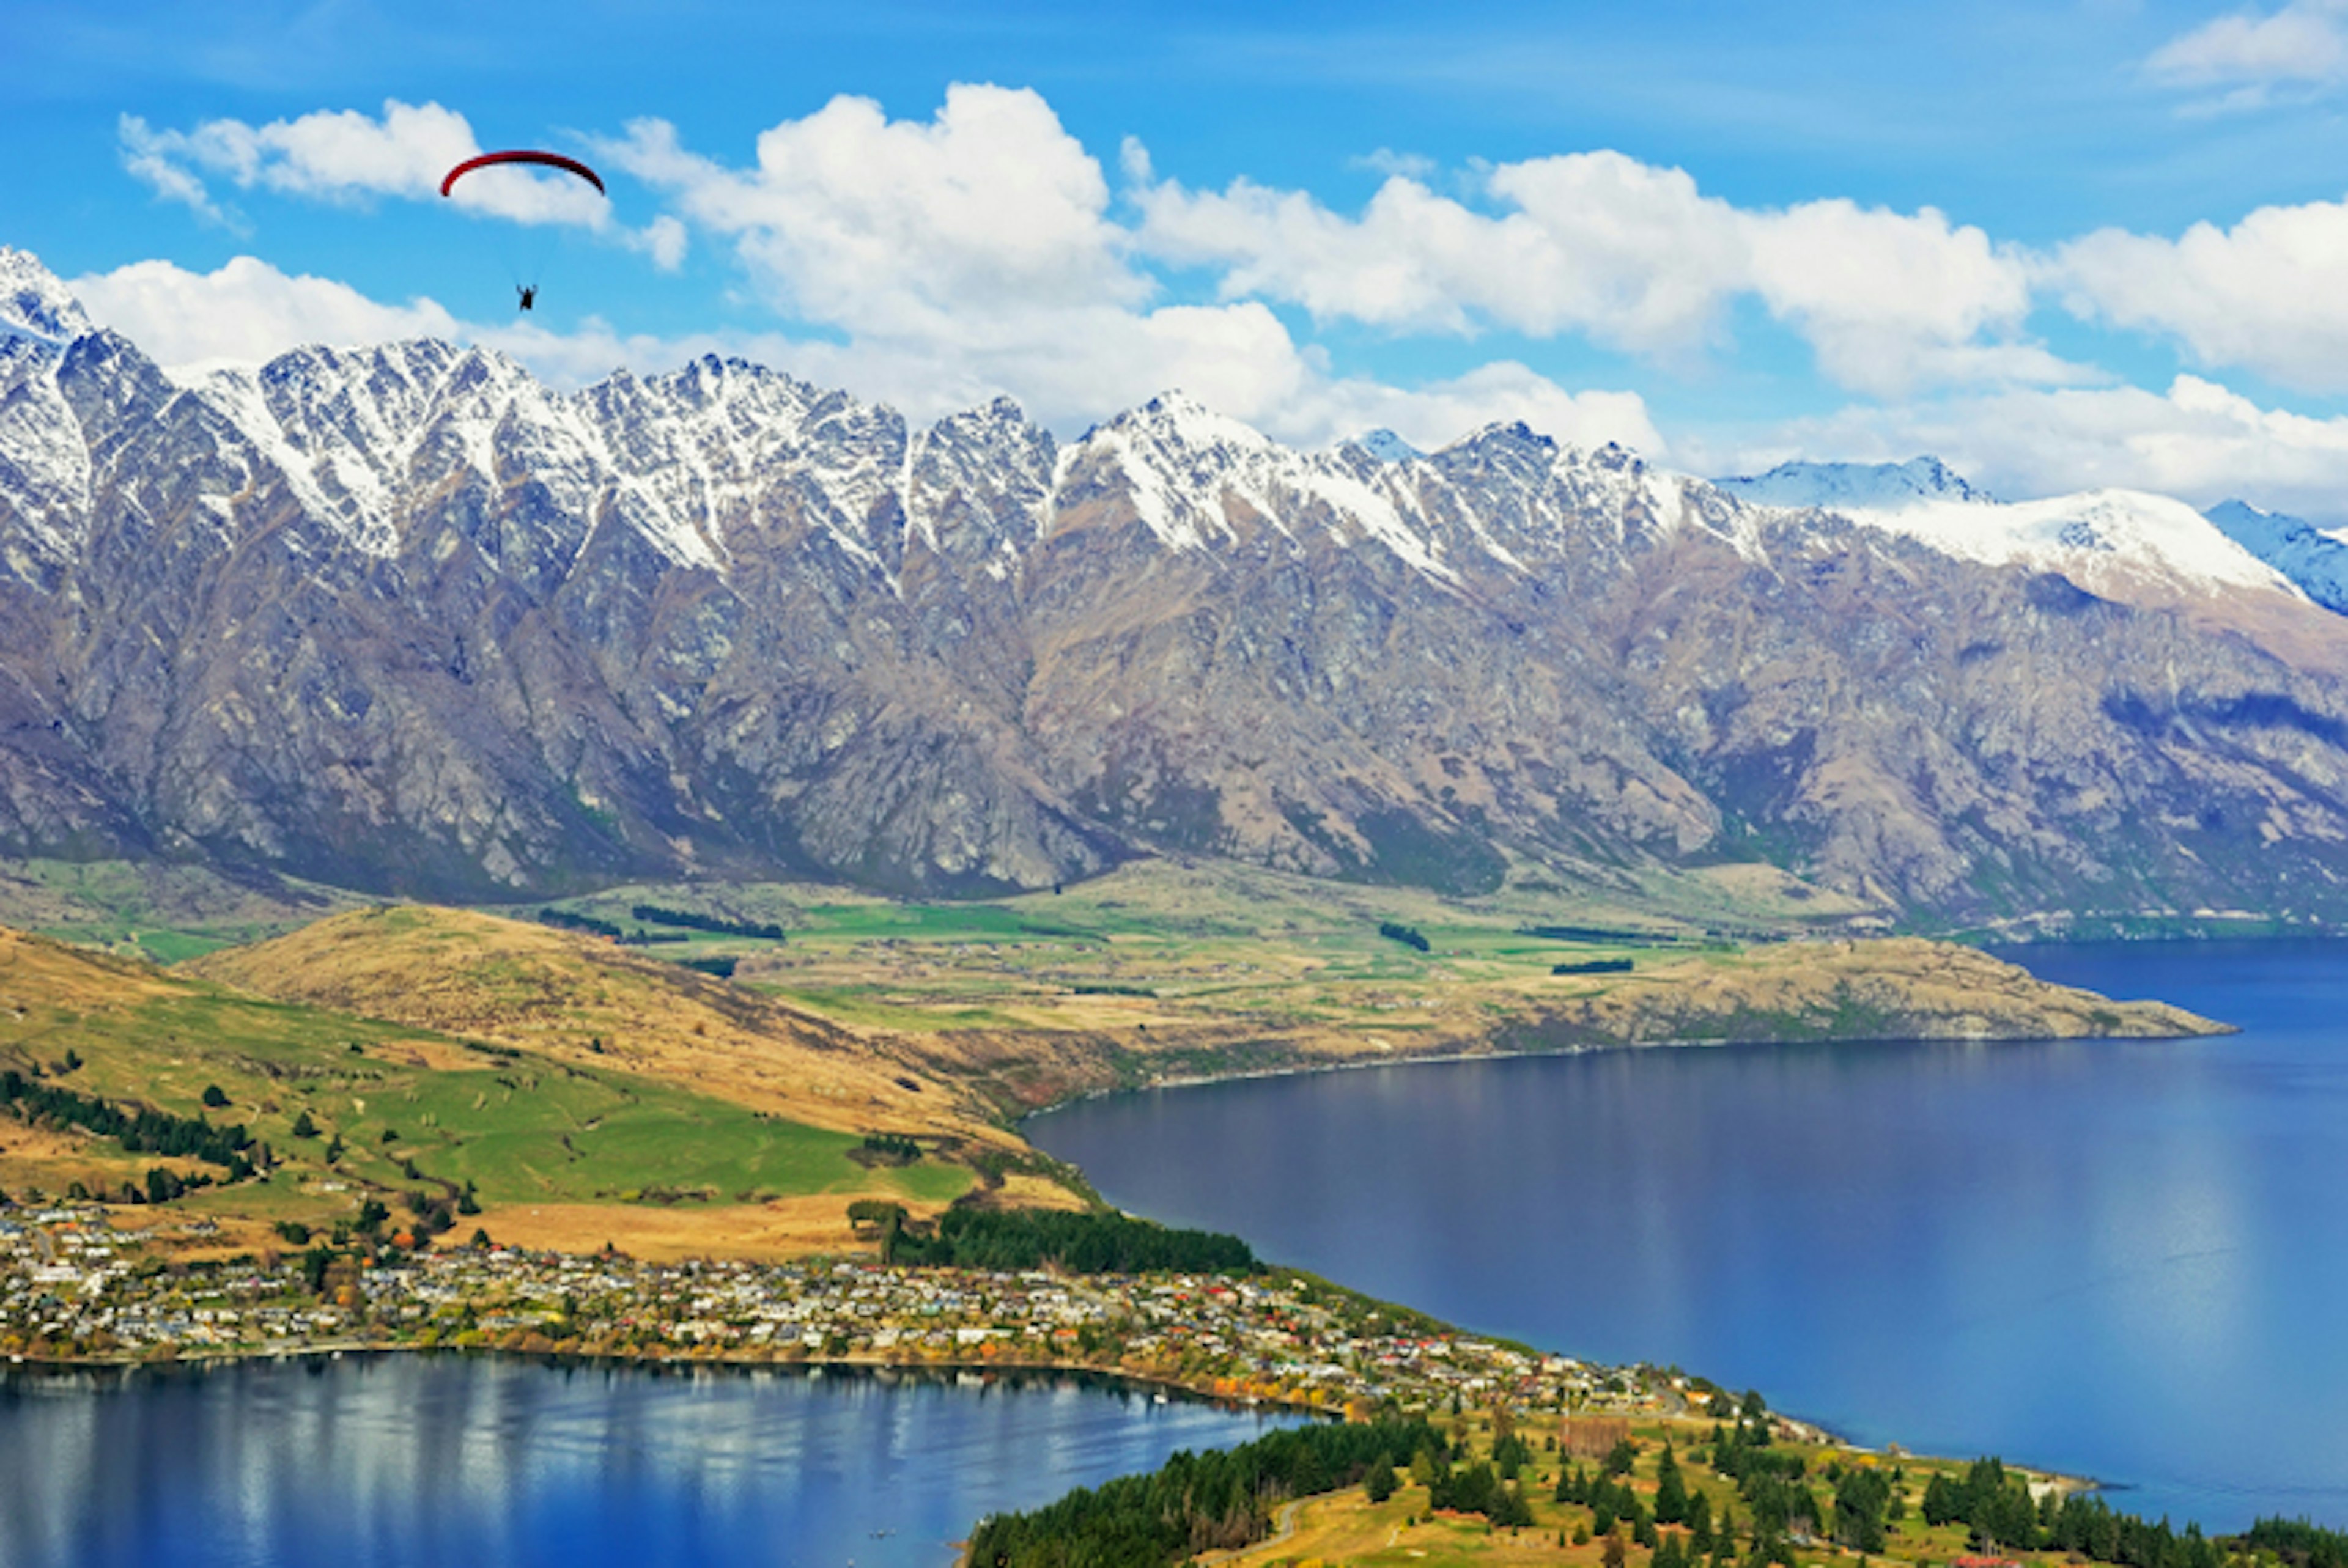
44	465
1184	464
1837	487
2096	537
34	304
2316	561
1386	447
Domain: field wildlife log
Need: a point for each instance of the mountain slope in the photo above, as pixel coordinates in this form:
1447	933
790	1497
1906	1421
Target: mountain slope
404	619
2316	562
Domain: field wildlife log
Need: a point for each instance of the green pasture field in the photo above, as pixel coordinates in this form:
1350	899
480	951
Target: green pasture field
519	1126
1152	941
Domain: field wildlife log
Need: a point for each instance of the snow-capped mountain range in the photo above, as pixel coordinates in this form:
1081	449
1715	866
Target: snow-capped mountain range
2100	539
404	617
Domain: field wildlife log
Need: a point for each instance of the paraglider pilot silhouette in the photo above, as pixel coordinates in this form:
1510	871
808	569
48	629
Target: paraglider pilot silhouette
526	291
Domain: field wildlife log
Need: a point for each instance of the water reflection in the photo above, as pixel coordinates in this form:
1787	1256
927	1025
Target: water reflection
427	1460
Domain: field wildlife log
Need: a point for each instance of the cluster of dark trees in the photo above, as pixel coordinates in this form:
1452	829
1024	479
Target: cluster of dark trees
723	967
1772	1483
1079	1242
564	920
588	925
161	1186
2299	1543
1997	1508
1613	1505
1595	934
142	1130
1393	931
1197	1503
1478	1489
718	925
1593	967
891	1148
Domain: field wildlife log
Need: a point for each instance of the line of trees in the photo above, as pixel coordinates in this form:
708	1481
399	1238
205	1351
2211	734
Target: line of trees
1197	1503
654	915
140	1130
1996	1506
1409	936
564	920
1079	1242
2299	1543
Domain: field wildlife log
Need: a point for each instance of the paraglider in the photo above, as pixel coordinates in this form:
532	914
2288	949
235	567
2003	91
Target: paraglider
521	155
526	292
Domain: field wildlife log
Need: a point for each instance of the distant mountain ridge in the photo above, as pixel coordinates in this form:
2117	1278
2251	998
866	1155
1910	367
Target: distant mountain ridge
405	619
1873	485
2316	560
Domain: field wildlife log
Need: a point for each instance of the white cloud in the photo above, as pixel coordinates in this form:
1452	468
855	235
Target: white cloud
1237	358
2303	44
975	252
903	228
2198	440
2269	294
343	155
1632	256
664	240
1435	414
244	312
932	263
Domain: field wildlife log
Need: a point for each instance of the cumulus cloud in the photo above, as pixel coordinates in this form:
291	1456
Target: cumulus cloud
1628	255
900	227
2250	55
243	313
935	262
2266	295
1238	359
247	311
343	155
1433	414
977	251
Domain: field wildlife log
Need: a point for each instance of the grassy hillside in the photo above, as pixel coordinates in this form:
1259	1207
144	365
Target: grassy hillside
1165	970
584	1002
392	1107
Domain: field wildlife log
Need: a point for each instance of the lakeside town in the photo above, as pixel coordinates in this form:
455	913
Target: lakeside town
76	1289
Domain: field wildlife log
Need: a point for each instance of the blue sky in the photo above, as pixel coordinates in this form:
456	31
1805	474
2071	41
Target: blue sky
2061	245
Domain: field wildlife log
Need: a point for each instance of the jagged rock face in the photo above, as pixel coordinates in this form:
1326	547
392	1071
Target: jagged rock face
404	619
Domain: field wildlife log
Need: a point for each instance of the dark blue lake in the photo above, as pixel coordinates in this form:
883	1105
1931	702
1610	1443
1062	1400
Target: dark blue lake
424	1461
2127	1260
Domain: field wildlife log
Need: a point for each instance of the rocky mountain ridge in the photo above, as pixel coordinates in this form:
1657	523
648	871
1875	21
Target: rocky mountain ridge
405	619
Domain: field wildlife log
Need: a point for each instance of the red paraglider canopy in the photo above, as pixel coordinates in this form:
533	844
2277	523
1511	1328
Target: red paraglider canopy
545	159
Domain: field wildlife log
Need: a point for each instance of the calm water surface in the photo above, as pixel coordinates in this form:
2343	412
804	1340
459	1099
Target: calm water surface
411	1459
2127	1260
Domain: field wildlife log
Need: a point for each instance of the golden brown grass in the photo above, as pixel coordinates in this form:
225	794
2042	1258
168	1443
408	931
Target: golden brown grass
587	1001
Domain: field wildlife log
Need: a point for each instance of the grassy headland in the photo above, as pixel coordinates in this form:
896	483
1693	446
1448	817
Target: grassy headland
722	1068
1162	972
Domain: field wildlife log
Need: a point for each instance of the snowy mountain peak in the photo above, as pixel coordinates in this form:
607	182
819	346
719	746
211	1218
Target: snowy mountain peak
34	303
1837	487
1177	418
1386	447
2315	561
